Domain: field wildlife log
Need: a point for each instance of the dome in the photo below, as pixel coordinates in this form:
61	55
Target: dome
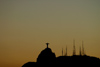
46	56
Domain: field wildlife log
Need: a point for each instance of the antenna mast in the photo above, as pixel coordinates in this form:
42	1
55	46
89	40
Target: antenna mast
80	51
83	48
62	51
74	52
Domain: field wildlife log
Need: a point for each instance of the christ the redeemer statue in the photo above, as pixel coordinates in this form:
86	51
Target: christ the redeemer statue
47	44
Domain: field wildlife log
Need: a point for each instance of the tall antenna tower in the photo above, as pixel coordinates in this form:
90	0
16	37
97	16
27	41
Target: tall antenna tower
66	51
83	52
74	50
80	52
62	51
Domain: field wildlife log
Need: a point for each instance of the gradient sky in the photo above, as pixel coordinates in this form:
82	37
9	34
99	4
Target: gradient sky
26	25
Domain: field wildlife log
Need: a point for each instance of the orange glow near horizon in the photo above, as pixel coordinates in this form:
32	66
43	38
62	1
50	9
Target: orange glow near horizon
25	27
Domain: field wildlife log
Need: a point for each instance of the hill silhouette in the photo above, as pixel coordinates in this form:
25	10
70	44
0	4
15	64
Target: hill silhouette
48	58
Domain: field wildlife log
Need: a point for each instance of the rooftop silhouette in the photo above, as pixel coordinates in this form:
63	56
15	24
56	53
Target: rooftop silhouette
48	58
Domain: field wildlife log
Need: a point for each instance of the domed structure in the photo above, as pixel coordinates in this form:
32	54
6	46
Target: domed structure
46	56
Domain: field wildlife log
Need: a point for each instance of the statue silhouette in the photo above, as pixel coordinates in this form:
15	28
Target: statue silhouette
48	58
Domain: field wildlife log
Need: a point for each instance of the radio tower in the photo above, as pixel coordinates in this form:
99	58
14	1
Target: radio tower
66	51
83	53
62	51
80	52
74	50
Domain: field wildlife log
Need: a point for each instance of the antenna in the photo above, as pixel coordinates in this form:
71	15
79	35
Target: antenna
66	51
62	51
74	52
80	51
83	48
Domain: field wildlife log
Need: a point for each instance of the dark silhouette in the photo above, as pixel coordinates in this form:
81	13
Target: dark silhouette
48	58
29	64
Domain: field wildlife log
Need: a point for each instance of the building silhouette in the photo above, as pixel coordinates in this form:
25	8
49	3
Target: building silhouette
48	58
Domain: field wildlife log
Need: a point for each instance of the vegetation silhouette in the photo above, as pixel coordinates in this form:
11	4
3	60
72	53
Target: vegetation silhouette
48	58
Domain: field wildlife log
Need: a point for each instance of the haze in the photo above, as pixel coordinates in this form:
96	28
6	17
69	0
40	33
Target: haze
26	25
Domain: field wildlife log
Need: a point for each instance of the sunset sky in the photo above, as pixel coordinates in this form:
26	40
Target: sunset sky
26	25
